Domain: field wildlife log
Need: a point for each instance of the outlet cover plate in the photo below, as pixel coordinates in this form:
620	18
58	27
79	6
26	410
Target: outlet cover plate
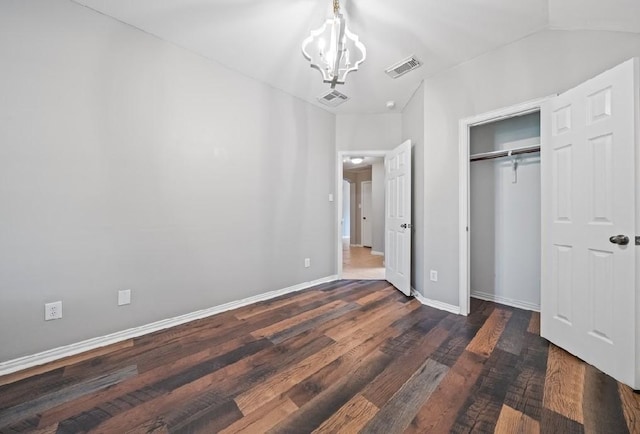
124	297
53	310
433	275
307	262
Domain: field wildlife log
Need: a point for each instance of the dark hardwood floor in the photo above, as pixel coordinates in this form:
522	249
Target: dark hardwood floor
348	356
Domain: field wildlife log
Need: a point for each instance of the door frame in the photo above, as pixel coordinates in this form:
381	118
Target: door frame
341	155
464	176
362	183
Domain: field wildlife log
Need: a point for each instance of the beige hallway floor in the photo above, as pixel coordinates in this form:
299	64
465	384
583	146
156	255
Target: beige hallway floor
358	263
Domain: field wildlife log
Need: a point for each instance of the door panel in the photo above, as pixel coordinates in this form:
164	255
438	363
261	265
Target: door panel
398	217
588	291
367	227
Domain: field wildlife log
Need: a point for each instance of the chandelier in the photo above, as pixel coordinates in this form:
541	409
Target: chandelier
333	50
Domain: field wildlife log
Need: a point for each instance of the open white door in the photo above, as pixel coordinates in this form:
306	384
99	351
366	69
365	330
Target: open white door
588	196
397	249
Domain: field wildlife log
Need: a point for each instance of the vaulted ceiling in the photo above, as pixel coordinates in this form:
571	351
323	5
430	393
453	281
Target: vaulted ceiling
262	38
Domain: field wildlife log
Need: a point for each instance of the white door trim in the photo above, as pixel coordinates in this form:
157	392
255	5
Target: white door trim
338	188
463	175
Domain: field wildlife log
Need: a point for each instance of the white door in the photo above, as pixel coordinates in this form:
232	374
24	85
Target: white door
366	227
397	249
588	196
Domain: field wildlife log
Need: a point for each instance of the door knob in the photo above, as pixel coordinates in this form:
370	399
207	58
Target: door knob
622	240
405	225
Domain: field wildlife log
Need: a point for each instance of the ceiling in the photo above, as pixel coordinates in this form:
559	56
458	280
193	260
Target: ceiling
366	163
262	38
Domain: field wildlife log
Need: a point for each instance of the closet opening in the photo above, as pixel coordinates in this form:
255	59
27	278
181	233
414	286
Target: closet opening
500	243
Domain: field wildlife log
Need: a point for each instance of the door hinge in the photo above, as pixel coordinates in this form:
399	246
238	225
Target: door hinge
637	241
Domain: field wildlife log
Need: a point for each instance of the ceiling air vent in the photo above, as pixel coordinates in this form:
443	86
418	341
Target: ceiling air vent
402	67
333	98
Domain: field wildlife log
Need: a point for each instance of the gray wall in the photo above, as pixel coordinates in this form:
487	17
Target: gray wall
377	205
505	216
540	65
368	132
413	129
126	162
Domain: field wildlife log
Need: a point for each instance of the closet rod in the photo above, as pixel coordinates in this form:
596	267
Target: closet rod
506	153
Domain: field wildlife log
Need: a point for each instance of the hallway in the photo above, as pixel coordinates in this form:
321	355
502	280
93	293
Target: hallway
358	263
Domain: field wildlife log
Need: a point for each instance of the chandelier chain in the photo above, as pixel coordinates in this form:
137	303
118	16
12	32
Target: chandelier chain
336	6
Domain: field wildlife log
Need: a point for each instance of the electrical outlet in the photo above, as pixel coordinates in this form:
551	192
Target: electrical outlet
433	275
124	297
307	262
53	310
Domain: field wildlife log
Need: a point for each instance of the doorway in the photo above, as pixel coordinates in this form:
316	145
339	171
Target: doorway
500	203
361	253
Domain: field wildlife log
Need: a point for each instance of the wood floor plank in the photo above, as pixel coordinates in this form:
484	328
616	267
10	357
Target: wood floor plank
16	413
601	406
564	385
71	408
399	411
423	320
350	418
211	420
462	331
311	323
482	408
383	387
485	341
295	320
40	369
282	382
512	337
248	373
630	402
312	386
513	422
270	419
534	324
116	415
51	429
32	387
525	393
552	422
439	412
311	415
258	308
275	410
368	319
353	316
369	298
338	329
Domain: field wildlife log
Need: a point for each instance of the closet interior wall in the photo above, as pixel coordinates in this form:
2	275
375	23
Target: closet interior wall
505	214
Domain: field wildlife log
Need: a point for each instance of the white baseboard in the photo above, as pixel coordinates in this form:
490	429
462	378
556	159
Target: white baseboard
47	356
434	303
376	253
505	300
355	245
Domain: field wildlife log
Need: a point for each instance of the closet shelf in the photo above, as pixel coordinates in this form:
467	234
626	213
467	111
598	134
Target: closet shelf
505	153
